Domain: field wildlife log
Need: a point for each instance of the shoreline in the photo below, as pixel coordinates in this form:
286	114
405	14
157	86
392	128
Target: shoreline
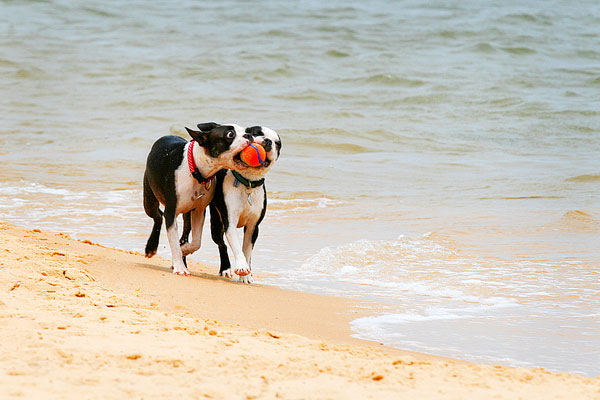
78	317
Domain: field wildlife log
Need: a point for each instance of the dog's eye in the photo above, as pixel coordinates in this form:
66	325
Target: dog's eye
230	134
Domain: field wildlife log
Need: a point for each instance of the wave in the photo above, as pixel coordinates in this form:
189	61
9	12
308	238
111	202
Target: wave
393	266
578	221
588	178
518	50
101	13
429	269
342	141
43	202
30	72
591	54
433	313
301	202
528	18
532	197
338	54
280	33
484	47
387	80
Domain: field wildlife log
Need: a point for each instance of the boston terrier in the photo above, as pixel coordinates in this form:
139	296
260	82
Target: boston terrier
181	176
240	200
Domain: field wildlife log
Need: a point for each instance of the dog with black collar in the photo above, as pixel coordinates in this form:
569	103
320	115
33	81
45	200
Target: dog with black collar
180	175
240	200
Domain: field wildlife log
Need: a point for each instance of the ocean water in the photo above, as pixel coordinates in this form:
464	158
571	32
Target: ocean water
439	158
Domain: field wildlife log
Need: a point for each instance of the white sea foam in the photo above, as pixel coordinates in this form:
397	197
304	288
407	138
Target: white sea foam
434	313
433	287
31	189
301	204
413	267
26	203
371	323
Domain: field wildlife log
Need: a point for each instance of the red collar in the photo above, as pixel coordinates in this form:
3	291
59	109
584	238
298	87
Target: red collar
193	168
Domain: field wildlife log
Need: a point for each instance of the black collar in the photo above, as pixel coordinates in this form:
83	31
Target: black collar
249	184
202	180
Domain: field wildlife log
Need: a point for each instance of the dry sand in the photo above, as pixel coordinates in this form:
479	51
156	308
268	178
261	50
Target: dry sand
78	320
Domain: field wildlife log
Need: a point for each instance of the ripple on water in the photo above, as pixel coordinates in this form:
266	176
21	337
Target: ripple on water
585	178
519	50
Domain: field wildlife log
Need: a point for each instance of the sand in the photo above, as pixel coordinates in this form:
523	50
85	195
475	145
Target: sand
79	320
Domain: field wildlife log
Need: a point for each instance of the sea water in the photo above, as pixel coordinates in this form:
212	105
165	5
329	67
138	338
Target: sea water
439	158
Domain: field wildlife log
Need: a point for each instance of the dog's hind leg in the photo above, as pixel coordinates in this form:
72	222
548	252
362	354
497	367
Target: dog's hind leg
179	267
185	235
187	228
217	231
153	211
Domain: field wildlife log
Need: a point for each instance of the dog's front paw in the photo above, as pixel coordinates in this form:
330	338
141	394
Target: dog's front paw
242	271
228	273
182	270
246	278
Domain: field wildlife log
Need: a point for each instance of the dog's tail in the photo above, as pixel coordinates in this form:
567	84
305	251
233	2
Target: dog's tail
153	211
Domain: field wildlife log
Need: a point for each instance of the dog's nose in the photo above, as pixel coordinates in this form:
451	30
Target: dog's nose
267	144
249	137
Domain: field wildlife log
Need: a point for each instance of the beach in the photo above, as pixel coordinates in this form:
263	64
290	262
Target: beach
81	320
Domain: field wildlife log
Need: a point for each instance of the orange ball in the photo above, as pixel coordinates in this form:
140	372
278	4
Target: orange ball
254	155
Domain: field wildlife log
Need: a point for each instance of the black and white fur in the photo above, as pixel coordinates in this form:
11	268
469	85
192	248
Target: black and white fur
168	181
240	206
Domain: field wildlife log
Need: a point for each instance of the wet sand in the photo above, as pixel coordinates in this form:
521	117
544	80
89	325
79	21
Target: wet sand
82	320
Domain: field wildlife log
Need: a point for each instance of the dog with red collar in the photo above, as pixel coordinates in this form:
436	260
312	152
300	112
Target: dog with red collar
240	201
180	175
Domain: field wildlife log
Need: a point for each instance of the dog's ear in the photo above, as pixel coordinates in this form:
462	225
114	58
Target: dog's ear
207	126
201	137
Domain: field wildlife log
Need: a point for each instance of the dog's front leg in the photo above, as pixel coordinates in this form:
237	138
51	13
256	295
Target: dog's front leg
179	267
241	267
249	238
197	225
